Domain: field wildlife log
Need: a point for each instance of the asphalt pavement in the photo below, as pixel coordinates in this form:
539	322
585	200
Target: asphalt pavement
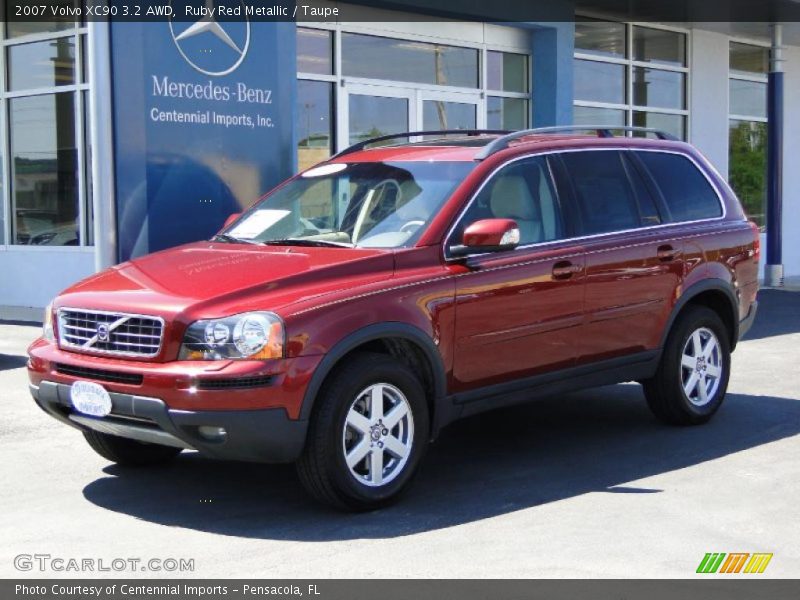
583	485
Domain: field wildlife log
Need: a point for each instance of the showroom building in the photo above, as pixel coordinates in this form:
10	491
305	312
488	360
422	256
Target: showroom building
121	139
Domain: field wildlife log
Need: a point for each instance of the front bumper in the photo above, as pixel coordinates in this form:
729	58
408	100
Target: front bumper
250	435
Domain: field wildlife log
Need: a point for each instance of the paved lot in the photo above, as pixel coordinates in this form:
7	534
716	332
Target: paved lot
586	485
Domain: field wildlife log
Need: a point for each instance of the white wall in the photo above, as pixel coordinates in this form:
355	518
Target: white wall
30	278
708	98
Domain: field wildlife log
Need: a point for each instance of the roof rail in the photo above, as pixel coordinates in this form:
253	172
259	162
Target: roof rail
392	136
603	131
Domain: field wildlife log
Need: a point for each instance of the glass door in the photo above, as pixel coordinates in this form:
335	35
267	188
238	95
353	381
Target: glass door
450	110
370	111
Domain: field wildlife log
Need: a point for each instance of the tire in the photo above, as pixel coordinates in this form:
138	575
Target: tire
688	389
129	453
344	421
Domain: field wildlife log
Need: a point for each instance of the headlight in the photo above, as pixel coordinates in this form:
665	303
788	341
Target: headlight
47	328
255	336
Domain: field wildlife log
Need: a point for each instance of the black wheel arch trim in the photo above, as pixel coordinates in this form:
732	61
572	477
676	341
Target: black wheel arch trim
370	333
707	285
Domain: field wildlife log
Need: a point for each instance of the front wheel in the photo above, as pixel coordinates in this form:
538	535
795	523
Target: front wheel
367	434
692	378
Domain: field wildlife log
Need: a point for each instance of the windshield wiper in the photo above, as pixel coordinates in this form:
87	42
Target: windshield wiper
306	242
224	237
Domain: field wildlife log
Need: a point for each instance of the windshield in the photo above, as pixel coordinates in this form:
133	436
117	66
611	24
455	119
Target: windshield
371	205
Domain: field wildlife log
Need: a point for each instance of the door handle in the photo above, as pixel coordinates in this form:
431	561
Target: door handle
667	253
565	270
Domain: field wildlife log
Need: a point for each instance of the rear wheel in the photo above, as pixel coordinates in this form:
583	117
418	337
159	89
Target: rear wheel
367	434
129	453
692	378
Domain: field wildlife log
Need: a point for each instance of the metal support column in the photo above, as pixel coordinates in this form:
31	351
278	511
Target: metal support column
773	272
102	144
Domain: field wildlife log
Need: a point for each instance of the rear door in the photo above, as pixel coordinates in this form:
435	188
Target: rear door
518	313
633	267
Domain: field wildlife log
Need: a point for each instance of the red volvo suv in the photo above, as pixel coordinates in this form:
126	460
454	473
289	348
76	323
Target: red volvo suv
364	304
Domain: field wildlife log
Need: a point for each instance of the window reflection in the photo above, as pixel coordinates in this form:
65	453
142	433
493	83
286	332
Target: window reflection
314	129
599	82
659	46
314	51
42	64
748	166
44	170
506	72
601	38
506	113
662	89
438	114
406	60
748	98
374	116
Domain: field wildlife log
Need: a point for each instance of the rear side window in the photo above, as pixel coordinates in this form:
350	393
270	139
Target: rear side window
687	193
603	191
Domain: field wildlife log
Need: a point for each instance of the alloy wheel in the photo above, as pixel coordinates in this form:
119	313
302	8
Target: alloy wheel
701	366
378	434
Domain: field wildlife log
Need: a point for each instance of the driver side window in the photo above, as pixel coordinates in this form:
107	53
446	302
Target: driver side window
522	191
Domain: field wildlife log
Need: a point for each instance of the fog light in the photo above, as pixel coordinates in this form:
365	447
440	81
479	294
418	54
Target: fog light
212	434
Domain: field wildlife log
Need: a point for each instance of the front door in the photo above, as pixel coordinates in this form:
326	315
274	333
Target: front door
518	313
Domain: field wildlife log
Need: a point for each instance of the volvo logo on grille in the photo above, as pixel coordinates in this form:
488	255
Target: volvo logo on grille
102	332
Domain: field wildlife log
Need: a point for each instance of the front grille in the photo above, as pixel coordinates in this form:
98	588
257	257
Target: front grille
110	332
100	374
232	384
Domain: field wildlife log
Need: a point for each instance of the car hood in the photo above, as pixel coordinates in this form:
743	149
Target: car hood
218	279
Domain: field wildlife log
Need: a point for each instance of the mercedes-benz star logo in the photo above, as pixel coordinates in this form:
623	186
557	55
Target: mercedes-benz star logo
237	43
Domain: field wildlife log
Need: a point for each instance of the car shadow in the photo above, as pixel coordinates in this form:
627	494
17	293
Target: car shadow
12	361
778	314
593	441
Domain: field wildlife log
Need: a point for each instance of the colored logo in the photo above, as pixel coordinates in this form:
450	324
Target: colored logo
211	47
735	562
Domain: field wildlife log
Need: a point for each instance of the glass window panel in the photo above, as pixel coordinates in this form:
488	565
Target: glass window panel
748	98
603	191
674	124
38	25
405	60
506	113
657	88
688	194
314	51
602	38
599	82
659	46
373	116
44	169
314	122
507	72
42	64
749	60
438	114
747	151
589	115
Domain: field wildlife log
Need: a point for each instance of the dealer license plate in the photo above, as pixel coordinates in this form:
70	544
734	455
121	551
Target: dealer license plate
90	398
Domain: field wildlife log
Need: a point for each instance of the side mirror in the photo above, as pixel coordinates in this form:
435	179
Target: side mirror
230	220
488	235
